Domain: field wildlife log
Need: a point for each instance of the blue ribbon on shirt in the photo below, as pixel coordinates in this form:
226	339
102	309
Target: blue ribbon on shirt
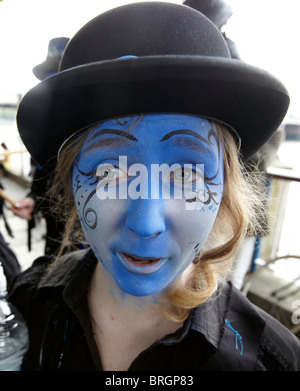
238	337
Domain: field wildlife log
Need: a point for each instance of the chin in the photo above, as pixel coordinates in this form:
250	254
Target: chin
142	289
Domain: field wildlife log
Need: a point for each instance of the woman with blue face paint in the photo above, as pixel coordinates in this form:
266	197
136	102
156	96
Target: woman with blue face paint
148	238
147	132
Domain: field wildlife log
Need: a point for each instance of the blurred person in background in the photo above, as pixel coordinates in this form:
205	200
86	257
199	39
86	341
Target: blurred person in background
37	199
8	258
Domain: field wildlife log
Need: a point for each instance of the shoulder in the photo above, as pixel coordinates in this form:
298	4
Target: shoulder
278	349
45	272
38	295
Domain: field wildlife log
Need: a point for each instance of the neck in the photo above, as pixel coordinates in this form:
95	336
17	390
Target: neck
124	325
105	296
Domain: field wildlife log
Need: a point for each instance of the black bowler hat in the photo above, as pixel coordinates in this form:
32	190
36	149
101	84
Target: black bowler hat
50	66
218	11
150	57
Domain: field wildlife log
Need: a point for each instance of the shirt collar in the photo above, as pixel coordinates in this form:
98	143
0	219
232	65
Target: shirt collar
207	319
68	268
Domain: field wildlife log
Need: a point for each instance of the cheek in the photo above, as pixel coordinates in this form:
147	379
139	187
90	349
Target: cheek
192	227
99	219
197	224
84	195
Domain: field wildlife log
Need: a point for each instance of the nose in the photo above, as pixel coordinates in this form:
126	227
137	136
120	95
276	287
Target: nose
145	218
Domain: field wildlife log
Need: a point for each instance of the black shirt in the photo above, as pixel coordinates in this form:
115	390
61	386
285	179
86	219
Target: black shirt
226	333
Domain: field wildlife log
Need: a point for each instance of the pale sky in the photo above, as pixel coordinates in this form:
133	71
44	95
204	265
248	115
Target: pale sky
266	32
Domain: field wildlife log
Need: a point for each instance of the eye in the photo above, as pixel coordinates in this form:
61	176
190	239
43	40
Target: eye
108	172
186	174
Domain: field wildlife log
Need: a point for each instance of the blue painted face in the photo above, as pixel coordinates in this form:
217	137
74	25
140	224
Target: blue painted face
144	236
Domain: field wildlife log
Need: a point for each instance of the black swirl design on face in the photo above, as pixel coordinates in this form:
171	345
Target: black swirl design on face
78	185
89	215
121	121
210	181
196	248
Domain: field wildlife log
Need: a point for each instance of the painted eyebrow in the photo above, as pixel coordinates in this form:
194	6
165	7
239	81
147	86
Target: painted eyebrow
183	131
108	142
187	142
114	131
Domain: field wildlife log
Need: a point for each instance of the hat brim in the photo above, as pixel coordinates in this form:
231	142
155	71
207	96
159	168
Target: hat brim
249	100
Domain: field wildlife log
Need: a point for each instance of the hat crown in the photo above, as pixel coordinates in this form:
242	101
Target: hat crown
144	29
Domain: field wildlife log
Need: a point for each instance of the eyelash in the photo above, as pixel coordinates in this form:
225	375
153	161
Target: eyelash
195	173
93	174
207	182
109	166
